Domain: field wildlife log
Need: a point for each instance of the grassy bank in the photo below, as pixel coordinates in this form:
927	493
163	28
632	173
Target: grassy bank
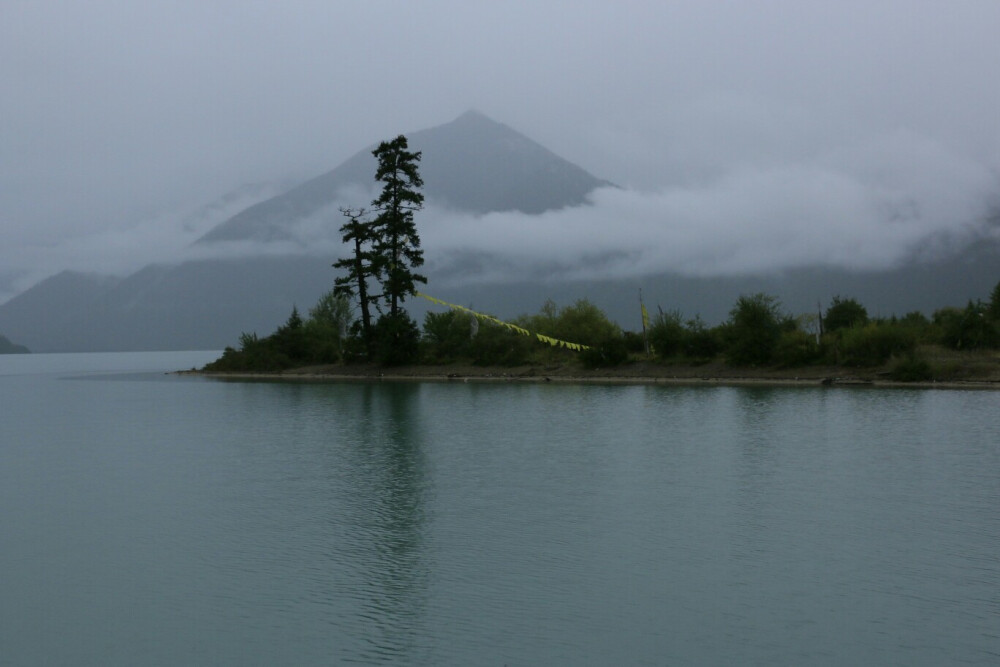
758	342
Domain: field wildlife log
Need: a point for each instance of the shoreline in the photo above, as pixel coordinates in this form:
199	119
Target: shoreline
644	374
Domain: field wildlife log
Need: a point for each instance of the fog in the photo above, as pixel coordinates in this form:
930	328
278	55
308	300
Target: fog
745	136
867	209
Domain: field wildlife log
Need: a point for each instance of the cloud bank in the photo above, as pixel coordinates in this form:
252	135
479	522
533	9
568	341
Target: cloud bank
869	206
746	136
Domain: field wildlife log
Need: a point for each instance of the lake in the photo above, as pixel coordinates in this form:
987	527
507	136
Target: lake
153	519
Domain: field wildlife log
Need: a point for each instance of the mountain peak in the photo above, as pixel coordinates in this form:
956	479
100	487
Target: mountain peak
475	116
472	164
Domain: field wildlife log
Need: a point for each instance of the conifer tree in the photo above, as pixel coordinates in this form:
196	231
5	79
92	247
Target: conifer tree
361	266
396	242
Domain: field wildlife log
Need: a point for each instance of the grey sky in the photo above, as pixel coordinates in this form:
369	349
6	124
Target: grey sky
117	116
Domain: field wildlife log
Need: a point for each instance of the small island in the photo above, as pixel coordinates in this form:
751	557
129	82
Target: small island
759	343
7	347
843	346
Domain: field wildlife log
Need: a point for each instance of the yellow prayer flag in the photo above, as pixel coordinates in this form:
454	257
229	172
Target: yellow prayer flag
555	342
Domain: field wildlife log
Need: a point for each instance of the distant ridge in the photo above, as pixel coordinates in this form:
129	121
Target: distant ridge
7	347
472	164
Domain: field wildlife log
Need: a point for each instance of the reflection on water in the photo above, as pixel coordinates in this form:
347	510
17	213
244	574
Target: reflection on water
184	521
392	519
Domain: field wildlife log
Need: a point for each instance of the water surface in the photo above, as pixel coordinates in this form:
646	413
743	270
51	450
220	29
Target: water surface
155	519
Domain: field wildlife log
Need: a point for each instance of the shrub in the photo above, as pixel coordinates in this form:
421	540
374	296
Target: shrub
289	339
497	346
633	342
844	314
702	343
874	344
396	339
943	321
448	335
353	347
333	312
911	369
667	334
753	330
607	353
915	319
254	355
921	327
993	310
796	348
583	323
968	329
322	343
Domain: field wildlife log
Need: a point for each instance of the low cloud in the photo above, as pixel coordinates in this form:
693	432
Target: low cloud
868	206
165	238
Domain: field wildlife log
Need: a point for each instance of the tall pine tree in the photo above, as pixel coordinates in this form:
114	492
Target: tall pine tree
396	242
361	266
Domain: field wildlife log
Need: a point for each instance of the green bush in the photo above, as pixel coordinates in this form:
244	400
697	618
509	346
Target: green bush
796	348
917	322
447	335
667	334
911	369
753	330
874	344
968	329
634	342
583	323
353	347
498	346
607	353
255	355
289	339
397	339
332	312
993	309
702	343
944	320
844	314
322	342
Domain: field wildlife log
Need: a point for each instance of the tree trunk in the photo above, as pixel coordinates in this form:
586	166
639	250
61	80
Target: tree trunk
366	318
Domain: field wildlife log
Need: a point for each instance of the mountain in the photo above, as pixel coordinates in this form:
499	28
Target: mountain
196	305
7	347
207	304
472	164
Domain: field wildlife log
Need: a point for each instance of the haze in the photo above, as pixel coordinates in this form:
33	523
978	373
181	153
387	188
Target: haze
745	136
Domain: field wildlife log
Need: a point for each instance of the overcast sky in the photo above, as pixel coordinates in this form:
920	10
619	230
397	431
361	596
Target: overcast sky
117	117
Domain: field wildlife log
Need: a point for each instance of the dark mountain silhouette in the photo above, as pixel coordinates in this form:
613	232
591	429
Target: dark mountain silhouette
7	347
195	305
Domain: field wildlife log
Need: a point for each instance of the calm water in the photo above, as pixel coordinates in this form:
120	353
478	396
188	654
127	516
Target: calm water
159	520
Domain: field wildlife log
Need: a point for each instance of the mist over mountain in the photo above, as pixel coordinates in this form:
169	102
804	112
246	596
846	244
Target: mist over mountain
509	224
473	165
166	237
247	272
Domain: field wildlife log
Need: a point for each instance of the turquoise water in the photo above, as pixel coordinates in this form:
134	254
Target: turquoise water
162	520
